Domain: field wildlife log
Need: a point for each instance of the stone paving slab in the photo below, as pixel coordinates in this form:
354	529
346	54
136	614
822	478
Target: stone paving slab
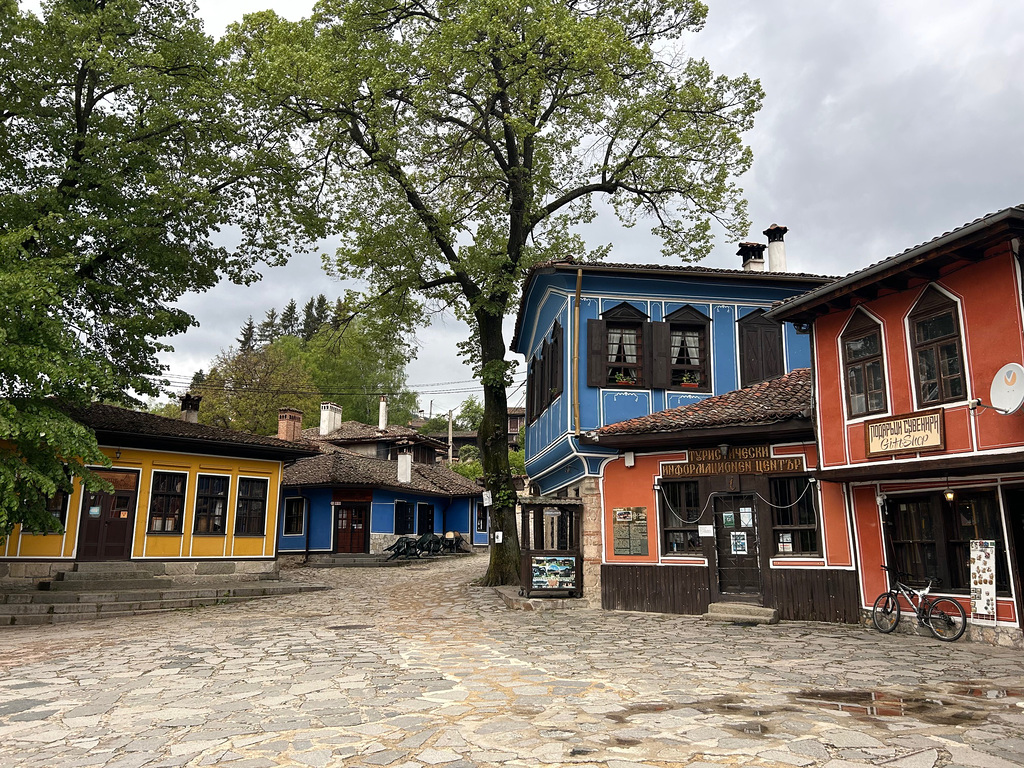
418	667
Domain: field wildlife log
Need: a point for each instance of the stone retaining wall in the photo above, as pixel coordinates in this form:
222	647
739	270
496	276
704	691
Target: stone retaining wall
21	573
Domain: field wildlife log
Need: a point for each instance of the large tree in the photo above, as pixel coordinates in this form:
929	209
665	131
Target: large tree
122	151
461	142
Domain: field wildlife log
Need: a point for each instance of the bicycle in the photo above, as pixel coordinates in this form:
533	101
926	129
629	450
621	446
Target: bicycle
943	616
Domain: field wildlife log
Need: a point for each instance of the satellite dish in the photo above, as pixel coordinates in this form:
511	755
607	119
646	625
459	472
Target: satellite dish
1007	390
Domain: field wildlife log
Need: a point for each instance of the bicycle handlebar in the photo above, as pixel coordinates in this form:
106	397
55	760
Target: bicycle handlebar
931	581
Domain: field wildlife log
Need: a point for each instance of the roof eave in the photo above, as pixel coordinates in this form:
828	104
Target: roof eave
797	427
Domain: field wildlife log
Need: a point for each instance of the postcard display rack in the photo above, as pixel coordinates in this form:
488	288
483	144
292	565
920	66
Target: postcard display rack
551	544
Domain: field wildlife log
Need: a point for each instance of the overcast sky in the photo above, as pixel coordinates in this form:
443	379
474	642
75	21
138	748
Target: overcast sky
885	124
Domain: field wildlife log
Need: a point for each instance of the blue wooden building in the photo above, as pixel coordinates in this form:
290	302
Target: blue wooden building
344	502
605	343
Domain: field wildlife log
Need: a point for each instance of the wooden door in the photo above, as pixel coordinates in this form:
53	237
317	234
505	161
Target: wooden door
424	519
352	526
736	545
107	519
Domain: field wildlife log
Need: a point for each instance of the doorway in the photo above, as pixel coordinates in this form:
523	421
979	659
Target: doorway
736	547
424	518
107	519
351	521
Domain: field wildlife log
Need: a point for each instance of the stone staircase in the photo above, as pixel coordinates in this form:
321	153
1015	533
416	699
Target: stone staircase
741	613
109	590
356	561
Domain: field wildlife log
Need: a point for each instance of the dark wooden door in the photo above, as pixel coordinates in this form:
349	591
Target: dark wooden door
736	544
107	519
352	526
424	519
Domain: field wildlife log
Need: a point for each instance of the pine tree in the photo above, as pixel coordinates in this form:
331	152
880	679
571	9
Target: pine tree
269	328
289	325
309	324
321	311
247	340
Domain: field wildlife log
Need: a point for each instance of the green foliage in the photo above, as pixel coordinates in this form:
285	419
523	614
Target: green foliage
469	453
517	462
471	414
472	470
123	147
245	388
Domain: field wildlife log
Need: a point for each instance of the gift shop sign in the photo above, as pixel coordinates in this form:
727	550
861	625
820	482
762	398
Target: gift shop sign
905	434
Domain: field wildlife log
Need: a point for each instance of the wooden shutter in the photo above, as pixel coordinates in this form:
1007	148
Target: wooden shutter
597	343
661	355
648	353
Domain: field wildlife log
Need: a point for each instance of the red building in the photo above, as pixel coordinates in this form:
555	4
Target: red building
906	353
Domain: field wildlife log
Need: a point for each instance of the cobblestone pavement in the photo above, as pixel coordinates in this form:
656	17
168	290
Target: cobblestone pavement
416	667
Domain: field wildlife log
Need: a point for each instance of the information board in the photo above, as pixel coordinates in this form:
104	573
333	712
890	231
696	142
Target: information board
629	530
983	580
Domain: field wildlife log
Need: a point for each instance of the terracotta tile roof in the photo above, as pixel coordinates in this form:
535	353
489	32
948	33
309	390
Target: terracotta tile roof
766	403
359	432
111	419
346	468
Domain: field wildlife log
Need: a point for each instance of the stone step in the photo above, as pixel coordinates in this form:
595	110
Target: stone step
106	566
105	584
134	603
105	575
741	613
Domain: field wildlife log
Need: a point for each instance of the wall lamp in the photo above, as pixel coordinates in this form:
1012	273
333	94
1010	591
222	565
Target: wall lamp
948	494
723	449
117	453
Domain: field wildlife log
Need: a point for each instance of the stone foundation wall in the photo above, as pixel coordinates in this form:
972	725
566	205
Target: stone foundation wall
1008	637
381	541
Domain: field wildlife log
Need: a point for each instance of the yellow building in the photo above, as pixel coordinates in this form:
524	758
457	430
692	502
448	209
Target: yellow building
187	498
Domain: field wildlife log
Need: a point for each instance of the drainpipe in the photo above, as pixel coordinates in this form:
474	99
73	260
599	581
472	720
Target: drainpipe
306	521
576	355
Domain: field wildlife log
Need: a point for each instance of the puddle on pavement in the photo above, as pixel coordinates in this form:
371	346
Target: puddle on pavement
623	742
640	709
749	729
982	692
936	709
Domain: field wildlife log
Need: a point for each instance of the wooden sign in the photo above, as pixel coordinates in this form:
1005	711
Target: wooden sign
740	460
905	434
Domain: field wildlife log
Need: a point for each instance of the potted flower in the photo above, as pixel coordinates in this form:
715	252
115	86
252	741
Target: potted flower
689	379
624	379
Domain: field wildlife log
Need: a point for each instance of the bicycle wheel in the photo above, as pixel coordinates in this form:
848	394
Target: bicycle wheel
885	614
946	619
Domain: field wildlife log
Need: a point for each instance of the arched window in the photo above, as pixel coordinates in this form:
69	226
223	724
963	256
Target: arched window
863	366
937	350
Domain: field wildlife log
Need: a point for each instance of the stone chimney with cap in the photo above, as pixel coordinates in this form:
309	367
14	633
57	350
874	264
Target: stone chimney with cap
289	424
330	418
753	256
190	407
776	248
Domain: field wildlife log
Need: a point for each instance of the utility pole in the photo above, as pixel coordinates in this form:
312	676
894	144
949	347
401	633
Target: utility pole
450	437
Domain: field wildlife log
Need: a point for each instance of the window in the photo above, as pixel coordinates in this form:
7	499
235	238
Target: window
931	537
760	348
57	507
251	510
863	366
544	378
404	518
681	355
425	519
935	334
619	348
794	522
294	516
680	509
481	518
211	503
167	502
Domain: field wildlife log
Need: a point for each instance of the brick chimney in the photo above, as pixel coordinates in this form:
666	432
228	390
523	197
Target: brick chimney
776	248
190	407
289	424
753	256
330	418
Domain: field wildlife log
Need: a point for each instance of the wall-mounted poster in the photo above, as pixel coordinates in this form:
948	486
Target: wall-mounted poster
629	531
739	543
746	518
729	519
553	572
785	542
983	580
